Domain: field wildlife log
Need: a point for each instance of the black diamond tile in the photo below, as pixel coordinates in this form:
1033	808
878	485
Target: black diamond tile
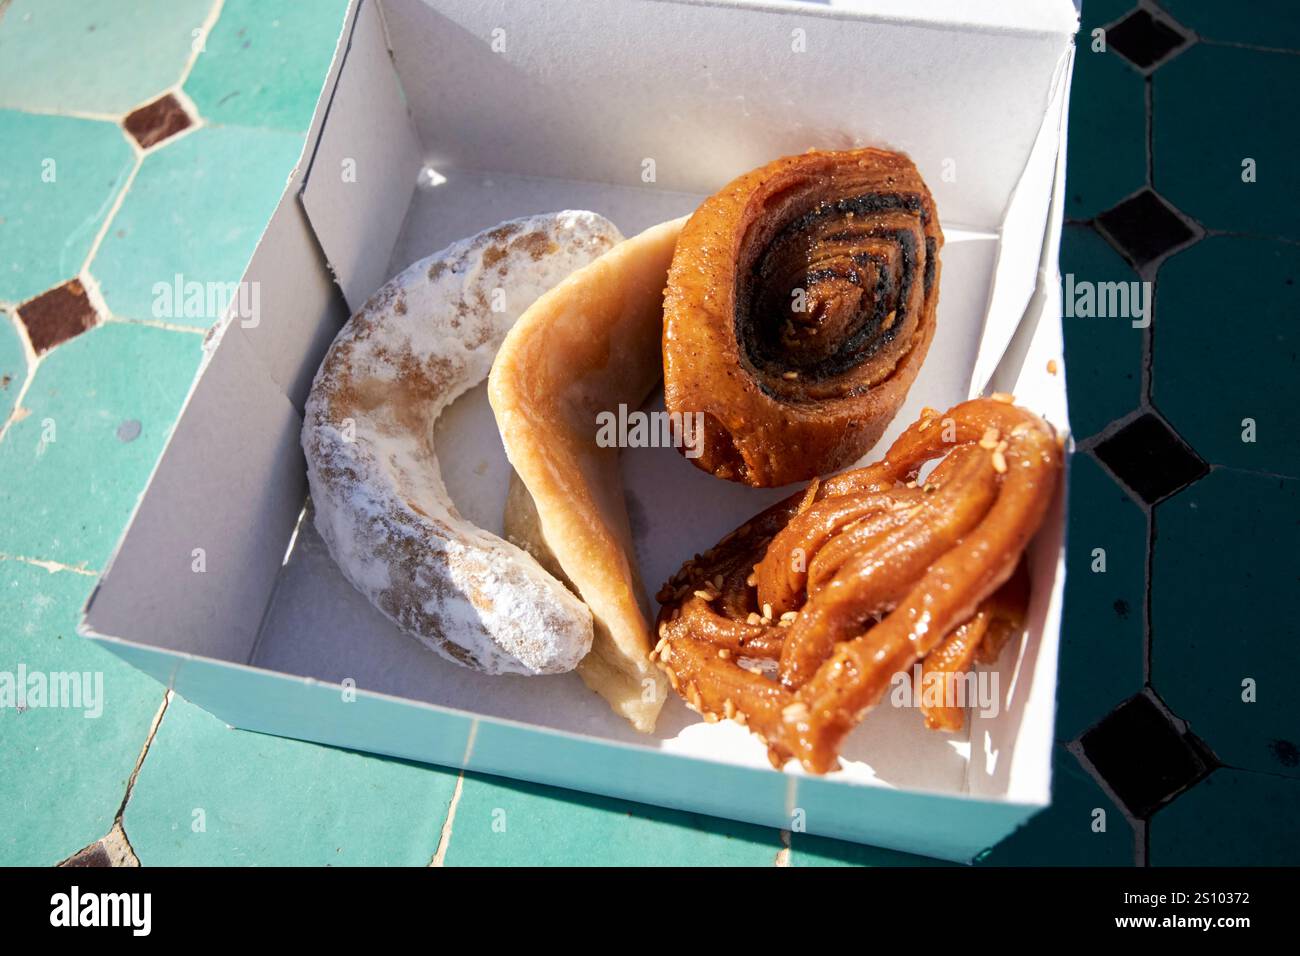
1144	40
1143	228
1148	457
1142	756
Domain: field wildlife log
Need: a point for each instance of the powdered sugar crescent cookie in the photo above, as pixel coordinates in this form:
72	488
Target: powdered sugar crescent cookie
421	341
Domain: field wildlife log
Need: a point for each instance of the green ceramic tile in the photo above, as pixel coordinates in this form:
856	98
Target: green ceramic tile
209	795
1224	599
1231	818
1229	306
1082	827
506	822
1095	13
94	56
63	773
807	850
99	410
1214	108
1106	156
1266	23
265	62
1102	632
1103	356
196	210
58	178
13	364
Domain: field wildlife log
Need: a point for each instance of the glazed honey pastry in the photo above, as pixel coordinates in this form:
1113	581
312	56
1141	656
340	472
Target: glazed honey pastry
422	340
588	346
796	623
800	305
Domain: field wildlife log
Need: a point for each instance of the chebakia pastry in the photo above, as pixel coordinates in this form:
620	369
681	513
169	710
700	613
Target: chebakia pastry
586	347
795	623
426	337
800	305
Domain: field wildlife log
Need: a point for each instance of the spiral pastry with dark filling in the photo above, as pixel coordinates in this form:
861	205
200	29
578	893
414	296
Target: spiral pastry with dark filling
796	622
800	305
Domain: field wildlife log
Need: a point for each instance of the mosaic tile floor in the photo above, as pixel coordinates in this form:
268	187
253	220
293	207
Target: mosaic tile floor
150	138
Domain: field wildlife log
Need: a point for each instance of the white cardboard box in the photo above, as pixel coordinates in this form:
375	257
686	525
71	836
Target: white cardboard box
550	104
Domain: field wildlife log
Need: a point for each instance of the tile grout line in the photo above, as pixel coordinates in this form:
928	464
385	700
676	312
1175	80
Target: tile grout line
783	855
53	567
118	823
88	282
444	835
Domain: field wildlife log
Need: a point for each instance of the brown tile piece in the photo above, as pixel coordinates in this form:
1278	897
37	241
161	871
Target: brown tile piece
94	855
157	121
58	315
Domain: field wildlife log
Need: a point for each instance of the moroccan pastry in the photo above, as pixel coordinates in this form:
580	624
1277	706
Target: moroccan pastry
422	340
587	346
795	623
800	305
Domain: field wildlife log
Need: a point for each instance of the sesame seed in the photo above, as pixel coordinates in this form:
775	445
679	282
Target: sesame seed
999	462
1005	398
724	653
741	719
767	612
753	619
663	630
710	718
990	439
705	595
789	615
695	697
717	582
790	376
729	708
795	712
752	580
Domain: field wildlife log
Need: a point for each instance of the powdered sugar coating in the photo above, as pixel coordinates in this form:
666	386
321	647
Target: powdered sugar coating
421	341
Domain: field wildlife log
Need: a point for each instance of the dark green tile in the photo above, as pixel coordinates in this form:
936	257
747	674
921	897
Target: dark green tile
1224	344
1267	23
1213	108
1224	603
1102	633
501	822
808	850
1231	818
1082	827
1106	156
1103	356
1095	13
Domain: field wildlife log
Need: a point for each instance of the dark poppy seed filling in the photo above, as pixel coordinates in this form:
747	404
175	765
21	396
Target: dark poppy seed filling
800	304
830	287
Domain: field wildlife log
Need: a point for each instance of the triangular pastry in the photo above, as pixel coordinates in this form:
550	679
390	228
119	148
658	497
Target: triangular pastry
587	346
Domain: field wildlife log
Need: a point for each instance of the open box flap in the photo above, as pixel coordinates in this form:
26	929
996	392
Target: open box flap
1018	271
363	171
